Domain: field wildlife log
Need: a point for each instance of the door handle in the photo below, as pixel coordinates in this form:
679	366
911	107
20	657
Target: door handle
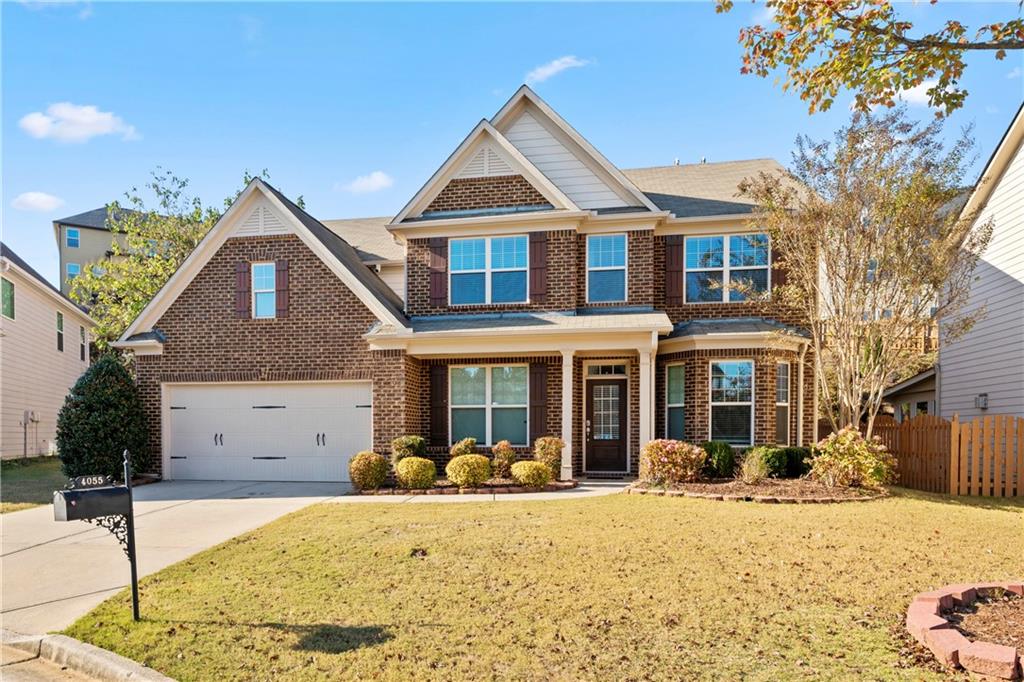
318	439
222	439
324	437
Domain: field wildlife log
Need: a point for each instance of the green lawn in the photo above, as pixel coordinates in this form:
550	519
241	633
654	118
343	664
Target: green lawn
619	587
29	482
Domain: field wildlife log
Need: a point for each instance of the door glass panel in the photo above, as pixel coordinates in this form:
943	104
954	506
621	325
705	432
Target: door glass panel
606	412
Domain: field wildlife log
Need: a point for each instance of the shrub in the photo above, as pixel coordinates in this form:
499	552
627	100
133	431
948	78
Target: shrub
504	458
407	446
669	462
847	459
368	470
415	472
754	467
102	417
721	461
796	462
468	471
531	474
548	450
466	446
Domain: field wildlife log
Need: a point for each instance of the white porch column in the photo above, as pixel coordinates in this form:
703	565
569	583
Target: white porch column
646	397
567	366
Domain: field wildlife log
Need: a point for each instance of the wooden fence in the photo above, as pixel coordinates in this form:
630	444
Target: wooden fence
983	456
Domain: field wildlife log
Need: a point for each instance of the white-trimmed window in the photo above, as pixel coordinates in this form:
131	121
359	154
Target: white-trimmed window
732	401
73	270
60	331
488	270
606	268
72	238
675	400
782	400
489	403
7	298
723	268
81	343
264	293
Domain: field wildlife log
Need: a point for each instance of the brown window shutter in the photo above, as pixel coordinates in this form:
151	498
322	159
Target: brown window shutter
281	287
538	267
439	405
778	274
438	271
538	400
675	258
242	289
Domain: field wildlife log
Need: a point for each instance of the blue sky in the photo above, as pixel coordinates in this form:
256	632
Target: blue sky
325	94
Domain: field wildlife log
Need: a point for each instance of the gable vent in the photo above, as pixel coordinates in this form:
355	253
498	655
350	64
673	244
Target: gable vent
484	164
262	221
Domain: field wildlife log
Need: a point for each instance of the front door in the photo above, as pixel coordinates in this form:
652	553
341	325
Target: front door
606	425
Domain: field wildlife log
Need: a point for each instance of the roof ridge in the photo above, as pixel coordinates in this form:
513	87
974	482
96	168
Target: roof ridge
706	163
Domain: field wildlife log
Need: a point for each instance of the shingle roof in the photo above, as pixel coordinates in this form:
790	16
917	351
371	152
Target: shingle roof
96	218
738	325
540	322
700	189
8	253
369	237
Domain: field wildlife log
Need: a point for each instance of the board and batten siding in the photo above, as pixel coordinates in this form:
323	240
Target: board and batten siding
578	181
34	375
990	358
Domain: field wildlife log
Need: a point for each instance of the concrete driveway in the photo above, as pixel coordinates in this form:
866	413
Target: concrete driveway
53	573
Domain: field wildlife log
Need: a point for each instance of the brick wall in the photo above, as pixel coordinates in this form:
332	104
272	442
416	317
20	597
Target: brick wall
464	194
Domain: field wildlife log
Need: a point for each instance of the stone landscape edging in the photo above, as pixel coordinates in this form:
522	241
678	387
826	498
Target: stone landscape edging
927	625
452	490
97	663
762	499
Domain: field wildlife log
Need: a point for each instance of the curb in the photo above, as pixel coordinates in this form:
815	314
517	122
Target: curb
87	659
762	499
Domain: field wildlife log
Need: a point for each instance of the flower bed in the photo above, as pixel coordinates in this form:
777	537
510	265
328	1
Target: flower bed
498	486
772	491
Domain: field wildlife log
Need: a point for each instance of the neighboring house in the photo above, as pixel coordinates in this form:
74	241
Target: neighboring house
44	348
376	247
983	371
82	241
912	396
547	292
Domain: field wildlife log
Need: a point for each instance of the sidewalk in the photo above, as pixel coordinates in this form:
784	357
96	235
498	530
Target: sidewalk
586	488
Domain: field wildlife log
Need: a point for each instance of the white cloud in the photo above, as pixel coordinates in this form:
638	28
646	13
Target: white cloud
40	202
364	184
917	96
67	122
554	67
84	12
1015	72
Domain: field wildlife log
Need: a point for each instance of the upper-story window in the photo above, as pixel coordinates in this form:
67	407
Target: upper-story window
264	294
60	331
73	270
72	238
488	270
606	268
7	298
726	267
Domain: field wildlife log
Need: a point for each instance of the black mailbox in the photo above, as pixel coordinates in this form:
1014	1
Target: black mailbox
91	503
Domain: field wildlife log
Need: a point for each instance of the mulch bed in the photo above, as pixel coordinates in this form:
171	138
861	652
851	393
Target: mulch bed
495	486
793	491
992	618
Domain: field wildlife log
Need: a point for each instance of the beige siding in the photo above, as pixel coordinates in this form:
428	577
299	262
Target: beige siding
34	375
394	277
990	358
93	247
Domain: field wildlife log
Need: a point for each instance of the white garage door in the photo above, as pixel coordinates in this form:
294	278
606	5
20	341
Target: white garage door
267	432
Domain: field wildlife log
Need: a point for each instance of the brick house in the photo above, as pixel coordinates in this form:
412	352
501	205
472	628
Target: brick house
546	292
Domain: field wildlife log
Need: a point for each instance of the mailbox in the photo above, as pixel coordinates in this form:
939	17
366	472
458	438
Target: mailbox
91	503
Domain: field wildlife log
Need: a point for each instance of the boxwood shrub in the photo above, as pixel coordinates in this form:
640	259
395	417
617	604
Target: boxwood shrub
721	461
407	446
415	472
531	474
785	462
368	470
466	446
468	471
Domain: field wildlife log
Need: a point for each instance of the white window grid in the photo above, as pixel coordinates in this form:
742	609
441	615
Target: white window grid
668	402
72	238
603	238
488	406
783	384
713	404
73	270
60	331
261	287
488	269
725	268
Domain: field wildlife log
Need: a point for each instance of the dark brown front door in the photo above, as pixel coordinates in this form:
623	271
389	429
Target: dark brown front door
605	427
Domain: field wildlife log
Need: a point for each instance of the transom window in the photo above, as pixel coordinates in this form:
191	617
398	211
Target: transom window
488	270
675	419
489	403
782	403
732	401
7	298
264	294
72	238
606	268
726	267
606	370
73	270
60	331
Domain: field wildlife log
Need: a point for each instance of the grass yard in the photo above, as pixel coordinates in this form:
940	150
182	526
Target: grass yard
619	587
29	482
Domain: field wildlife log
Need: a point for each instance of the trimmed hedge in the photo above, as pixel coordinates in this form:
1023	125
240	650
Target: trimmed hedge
407	446
721	461
468	471
669	462
416	472
531	474
368	470
785	462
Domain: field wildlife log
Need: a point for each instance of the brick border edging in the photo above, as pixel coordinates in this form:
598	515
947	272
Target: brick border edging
452	490
762	499
927	625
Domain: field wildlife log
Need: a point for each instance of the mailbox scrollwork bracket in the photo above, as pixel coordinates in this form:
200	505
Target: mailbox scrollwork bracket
117	525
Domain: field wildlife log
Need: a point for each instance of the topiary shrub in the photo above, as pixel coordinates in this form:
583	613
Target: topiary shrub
466	446
368	470
102	417
847	459
531	474
407	446
670	462
415	472
504	458
468	471
754	468
548	450
721	461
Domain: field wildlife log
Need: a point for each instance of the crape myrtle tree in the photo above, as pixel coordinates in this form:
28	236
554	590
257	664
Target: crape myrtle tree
870	231
864	45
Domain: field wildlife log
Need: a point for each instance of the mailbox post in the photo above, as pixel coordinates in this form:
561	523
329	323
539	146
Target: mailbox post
95	499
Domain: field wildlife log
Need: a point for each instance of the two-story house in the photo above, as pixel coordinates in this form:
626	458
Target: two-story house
546	292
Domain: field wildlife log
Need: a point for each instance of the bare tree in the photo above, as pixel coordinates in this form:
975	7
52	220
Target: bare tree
876	250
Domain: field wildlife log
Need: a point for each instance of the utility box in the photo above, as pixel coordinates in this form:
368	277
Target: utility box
91	503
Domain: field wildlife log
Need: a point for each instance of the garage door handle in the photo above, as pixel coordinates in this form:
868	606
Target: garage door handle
270	458
324	437
318	439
